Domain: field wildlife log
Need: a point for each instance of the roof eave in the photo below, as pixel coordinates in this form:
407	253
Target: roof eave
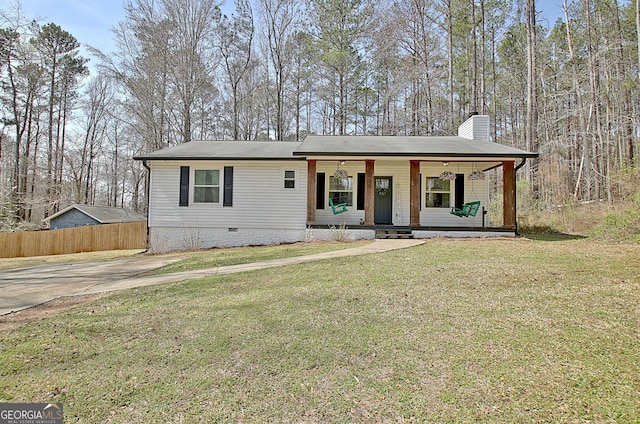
230	158
312	155
62	212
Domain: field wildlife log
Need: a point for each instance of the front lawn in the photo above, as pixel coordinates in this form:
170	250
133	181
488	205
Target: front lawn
450	331
214	258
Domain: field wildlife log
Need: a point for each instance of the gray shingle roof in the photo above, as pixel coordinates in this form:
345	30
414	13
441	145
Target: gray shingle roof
228	150
338	146
452	146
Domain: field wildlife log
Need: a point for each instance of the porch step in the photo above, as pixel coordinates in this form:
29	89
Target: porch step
394	234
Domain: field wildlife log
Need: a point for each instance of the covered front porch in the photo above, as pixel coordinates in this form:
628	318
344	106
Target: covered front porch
430	185
394	194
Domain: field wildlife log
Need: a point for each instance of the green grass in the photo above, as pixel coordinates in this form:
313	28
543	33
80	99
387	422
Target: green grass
451	331
242	255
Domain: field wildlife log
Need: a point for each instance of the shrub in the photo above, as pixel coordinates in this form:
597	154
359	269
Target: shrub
341	233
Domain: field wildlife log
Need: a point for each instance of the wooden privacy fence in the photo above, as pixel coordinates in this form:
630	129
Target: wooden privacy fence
89	238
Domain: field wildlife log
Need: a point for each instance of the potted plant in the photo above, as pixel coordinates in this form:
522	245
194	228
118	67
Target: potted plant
476	175
447	175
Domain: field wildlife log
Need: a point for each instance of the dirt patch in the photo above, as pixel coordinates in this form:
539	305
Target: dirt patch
17	319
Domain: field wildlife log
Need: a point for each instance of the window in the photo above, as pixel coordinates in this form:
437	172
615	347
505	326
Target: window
438	193
206	187
289	179
341	190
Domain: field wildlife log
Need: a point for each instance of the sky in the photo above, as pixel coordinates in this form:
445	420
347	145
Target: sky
91	21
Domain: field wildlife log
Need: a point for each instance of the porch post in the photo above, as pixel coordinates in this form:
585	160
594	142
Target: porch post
414	193
509	194
369	192
311	191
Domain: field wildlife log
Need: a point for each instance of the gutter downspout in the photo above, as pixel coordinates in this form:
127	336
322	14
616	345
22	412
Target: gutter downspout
148	190
524	160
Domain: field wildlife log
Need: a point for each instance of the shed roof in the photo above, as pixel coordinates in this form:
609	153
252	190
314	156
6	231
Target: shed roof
411	146
227	150
103	214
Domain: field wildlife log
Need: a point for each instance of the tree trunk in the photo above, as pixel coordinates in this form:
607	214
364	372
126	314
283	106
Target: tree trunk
483	79
474	60
582	134
593	124
531	134
50	145
638	32
452	122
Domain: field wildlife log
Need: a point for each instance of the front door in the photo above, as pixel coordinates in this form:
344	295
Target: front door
383	206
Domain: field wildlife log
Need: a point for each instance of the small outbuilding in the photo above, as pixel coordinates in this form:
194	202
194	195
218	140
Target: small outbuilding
81	215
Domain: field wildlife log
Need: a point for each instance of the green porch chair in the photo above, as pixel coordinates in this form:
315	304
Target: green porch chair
339	208
468	209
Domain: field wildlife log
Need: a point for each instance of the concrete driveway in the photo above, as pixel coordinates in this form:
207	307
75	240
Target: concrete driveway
23	288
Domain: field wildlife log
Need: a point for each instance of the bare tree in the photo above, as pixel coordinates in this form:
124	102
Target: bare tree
638	33
531	131
193	56
418	31
581	136
236	47
97	104
63	66
279	20
141	65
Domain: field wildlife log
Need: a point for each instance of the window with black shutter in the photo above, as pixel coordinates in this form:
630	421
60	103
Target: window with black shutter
459	187
361	191
227	197
320	187
184	186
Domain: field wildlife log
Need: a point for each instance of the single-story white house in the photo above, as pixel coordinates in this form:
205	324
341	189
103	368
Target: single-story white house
235	193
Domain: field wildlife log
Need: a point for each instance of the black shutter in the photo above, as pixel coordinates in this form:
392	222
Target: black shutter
459	191
361	190
227	198
420	191
184	186
320	185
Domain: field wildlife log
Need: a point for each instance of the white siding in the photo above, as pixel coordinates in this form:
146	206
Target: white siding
352	216
475	128
260	200
473	190
400	171
265	212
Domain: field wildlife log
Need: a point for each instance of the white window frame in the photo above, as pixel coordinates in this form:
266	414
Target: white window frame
286	179
349	201
219	186
429	191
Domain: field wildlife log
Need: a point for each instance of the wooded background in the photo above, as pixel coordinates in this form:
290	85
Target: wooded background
281	69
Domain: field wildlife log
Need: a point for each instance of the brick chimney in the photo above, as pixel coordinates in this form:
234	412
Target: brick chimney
475	128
